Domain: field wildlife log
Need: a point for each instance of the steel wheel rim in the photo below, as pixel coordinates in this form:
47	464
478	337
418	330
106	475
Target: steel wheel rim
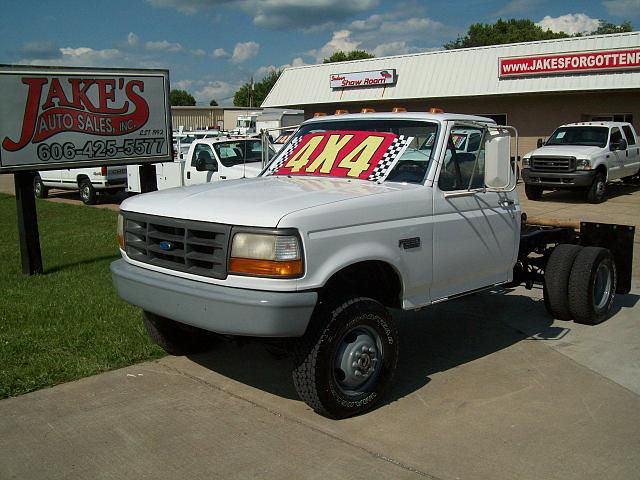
602	286
358	360
38	189
84	192
600	188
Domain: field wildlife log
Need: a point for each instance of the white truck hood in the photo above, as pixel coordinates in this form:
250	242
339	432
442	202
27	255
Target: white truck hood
578	151
259	202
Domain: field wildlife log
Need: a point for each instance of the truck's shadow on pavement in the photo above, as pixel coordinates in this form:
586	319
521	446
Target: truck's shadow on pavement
614	189
437	339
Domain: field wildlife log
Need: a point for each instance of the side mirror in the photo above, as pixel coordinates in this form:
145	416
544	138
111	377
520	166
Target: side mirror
540	142
622	145
498	169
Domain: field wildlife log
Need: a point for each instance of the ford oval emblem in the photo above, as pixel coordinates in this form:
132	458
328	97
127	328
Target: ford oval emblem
164	245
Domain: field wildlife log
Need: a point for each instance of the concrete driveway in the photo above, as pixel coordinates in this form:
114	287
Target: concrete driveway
488	387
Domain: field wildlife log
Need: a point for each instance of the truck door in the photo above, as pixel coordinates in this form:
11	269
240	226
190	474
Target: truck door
475	231
617	157
209	170
632	158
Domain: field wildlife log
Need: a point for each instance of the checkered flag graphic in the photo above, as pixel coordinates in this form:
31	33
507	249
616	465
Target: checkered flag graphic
389	158
284	156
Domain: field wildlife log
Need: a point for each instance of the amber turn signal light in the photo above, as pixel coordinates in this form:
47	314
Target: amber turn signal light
272	268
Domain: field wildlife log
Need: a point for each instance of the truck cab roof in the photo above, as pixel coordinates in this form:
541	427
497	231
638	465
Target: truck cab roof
597	124
438	117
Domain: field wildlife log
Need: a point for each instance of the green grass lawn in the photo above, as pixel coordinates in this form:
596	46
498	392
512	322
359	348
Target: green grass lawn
69	322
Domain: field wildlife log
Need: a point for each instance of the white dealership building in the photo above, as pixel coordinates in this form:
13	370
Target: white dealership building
533	86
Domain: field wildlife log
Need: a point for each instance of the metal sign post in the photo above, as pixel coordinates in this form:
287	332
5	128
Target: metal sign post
30	253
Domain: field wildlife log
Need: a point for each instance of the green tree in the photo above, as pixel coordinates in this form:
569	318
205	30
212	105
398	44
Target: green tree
523	30
213	103
181	97
341	56
259	90
503	31
608	27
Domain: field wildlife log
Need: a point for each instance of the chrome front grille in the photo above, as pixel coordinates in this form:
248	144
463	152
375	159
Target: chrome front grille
553	164
188	246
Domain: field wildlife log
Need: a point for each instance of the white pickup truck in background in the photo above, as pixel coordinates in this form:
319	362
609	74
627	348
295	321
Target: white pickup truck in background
356	215
582	155
207	160
88	181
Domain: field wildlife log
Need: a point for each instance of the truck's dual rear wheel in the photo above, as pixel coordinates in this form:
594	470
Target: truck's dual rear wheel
346	360
580	283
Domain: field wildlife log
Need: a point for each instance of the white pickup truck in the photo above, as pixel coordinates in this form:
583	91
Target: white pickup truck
207	160
88	181
356	215
582	155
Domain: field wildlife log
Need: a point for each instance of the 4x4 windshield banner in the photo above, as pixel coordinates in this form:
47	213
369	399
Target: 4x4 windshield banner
344	153
51	117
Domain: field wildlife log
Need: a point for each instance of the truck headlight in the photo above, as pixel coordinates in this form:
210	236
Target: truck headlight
526	162
583	164
265	255
120	231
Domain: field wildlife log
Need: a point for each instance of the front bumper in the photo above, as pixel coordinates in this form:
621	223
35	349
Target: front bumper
232	311
579	178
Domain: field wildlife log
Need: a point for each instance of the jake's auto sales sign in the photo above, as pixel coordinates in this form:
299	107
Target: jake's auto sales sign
52	117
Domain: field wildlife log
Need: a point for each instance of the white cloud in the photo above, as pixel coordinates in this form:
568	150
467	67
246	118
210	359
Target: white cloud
163	45
83	57
219	53
198	52
133	40
621	8
340	41
182	84
392	33
244	51
571	23
278	14
261	72
189	7
221	91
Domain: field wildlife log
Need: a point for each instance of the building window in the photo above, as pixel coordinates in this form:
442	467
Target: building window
499	118
609	117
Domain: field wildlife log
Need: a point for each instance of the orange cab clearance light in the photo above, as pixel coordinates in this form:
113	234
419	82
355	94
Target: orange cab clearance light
341	111
251	266
398	109
319	114
367	110
436	110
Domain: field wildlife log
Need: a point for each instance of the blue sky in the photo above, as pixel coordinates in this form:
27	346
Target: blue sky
211	47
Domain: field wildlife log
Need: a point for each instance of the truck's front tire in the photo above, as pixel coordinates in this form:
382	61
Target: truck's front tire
592	285
176	338
88	194
597	192
556	280
346	360
533	192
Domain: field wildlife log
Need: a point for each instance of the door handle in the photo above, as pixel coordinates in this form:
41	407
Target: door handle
222	177
188	175
507	203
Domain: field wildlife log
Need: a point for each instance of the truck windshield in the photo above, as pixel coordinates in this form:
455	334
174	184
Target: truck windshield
412	166
588	136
